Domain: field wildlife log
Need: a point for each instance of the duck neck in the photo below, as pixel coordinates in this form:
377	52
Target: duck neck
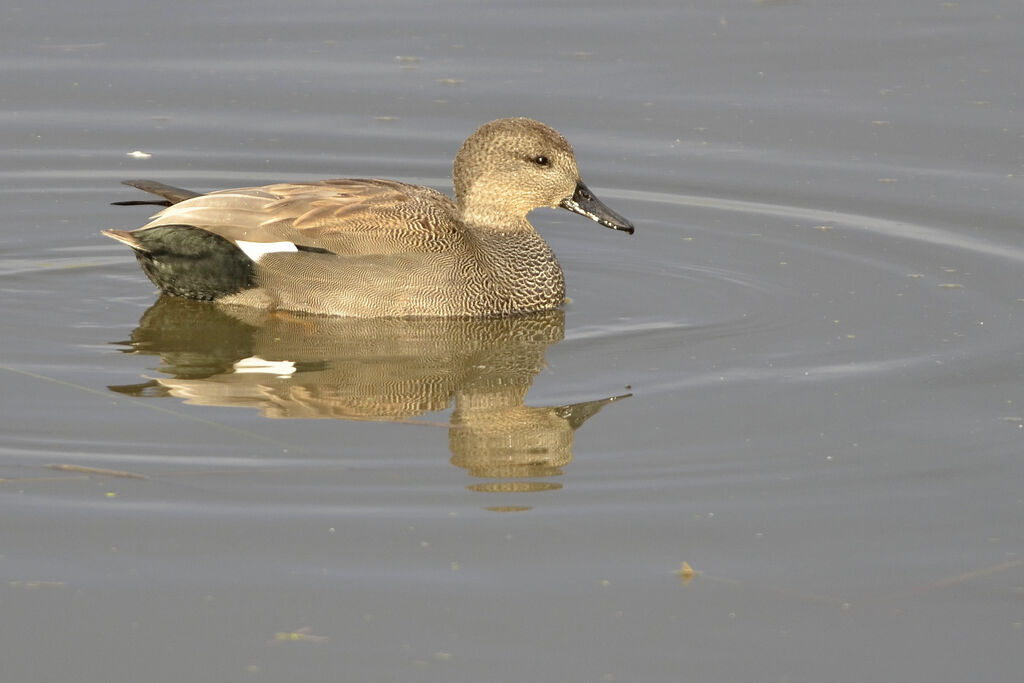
487	219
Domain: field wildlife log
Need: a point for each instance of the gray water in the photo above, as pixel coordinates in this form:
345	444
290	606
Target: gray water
802	376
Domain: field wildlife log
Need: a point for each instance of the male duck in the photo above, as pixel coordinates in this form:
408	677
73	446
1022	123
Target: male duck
378	248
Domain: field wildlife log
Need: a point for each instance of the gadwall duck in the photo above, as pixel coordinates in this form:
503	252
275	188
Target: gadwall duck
378	248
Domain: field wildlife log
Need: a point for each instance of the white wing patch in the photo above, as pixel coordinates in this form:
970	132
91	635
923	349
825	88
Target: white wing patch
257	365
256	250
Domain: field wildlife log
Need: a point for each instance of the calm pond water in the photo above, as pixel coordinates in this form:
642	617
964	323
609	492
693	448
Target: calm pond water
803	375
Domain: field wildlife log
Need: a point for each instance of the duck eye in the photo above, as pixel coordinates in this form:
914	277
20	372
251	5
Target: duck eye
541	160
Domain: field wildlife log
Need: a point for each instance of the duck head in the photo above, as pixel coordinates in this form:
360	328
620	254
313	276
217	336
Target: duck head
509	167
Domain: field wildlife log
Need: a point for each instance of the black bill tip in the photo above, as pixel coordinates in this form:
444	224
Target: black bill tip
586	204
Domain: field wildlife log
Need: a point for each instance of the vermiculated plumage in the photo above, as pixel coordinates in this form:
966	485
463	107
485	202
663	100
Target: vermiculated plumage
378	248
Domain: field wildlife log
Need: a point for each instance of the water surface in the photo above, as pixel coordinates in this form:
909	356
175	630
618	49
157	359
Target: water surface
801	376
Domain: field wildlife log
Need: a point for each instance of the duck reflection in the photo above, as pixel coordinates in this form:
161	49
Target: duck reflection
291	366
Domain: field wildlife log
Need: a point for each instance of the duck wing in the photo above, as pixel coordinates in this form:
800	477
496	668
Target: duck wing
170	193
345	216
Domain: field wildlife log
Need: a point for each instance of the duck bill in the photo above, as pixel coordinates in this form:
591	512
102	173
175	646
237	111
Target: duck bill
586	204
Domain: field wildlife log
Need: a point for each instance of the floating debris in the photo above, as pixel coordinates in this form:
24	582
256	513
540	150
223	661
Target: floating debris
139	154
302	635
73	47
686	571
509	508
36	585
81	469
